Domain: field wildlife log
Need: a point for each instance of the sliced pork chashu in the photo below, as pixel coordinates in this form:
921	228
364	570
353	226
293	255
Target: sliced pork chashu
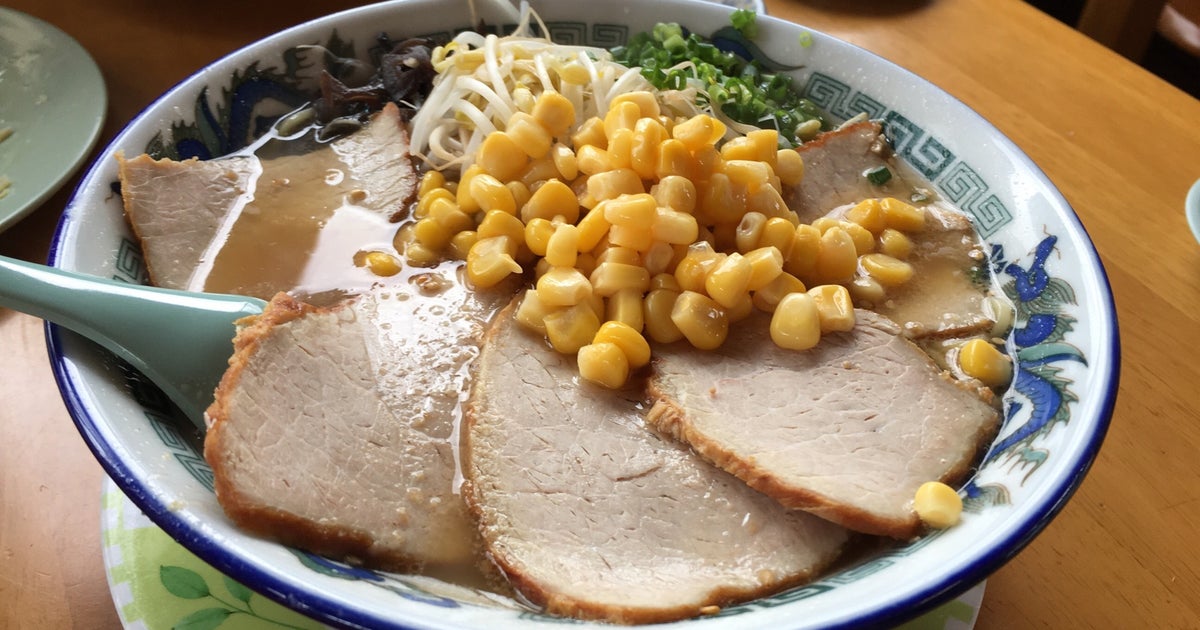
847	430
334	428
591	514
947	300
264	216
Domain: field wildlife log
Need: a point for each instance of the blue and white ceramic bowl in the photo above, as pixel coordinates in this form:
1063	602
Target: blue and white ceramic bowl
1055	414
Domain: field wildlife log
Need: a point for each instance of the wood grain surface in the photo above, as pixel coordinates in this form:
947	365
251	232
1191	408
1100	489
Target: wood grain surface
1122	145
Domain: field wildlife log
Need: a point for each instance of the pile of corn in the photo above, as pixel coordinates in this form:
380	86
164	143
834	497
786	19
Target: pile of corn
642	225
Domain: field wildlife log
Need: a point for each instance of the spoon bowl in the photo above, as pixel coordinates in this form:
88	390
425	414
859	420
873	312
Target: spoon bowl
179	340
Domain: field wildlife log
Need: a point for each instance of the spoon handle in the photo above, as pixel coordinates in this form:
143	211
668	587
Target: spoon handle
179	340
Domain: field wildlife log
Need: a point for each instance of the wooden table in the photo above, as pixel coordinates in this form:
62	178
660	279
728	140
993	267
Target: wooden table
1122	145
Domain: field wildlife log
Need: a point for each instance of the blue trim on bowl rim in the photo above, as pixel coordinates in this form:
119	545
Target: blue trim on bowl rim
314	603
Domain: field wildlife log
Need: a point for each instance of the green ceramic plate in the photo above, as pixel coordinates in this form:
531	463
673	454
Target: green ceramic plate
53	100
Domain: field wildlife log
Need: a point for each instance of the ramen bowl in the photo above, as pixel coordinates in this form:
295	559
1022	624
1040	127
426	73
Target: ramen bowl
1064	345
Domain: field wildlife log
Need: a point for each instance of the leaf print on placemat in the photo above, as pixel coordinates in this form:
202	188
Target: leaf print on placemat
185	583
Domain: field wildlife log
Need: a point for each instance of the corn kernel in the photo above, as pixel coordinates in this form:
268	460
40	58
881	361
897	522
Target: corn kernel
676	228
431	234
698	131
766	263
614	183
554	112
741	309
563	246
801	258
677	193
603	364
692	272
501	157
564	160
551	199
463	196
501	223
621	115
778	233
701	320
460	244
418	255
767	298
740	148
563	286
867	291
789	166
937	505
382	263
628	338
674	159
538	171
448	215
625	306
888	271
834	307
431	181
620	148
747	173
631	236
718	202
648	134
618	254
895	243
982	360
767	200
708	161
656	311
749	231
572	328
610	277
902	216
592	228
869	214
537	235
646	103
864	241
490	194
490	261
519	191
529	135
658	258
531	313
665	281
729	280
796	323
591	132
591	159
823	224
837	259
637	210
424	202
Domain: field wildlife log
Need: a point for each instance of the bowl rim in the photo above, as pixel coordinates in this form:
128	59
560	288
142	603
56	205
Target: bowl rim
326	609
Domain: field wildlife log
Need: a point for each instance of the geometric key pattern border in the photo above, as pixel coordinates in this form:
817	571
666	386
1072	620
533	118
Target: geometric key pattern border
954	178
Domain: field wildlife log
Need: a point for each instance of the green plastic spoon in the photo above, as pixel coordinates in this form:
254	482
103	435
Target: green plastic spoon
179	340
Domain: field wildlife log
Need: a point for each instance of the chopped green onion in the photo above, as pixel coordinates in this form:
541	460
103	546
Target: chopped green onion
735	86
744	21
879	175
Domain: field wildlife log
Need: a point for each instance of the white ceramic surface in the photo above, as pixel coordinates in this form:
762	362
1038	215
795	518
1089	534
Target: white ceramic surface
1056	415
1192	209
53	99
